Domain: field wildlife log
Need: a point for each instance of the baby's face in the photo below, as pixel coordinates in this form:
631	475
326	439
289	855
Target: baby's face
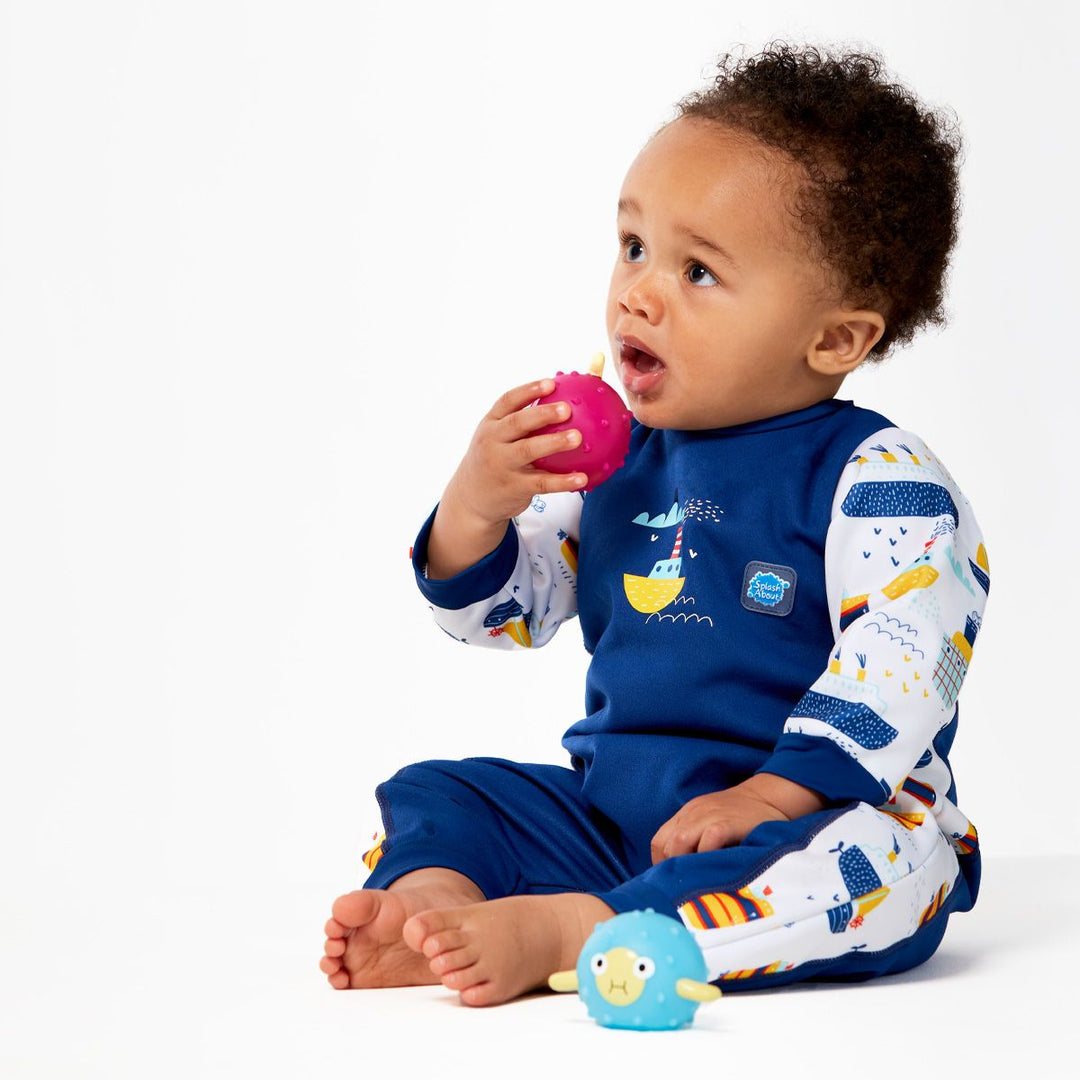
714	279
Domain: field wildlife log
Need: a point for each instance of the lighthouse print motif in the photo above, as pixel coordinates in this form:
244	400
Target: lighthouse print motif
663	586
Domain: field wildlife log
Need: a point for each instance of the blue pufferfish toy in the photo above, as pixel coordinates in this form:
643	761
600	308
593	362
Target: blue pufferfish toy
640	970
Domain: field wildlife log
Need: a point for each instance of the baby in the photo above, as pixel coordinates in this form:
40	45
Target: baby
779	590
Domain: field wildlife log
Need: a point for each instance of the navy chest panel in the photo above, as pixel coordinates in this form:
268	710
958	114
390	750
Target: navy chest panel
687	534
701	584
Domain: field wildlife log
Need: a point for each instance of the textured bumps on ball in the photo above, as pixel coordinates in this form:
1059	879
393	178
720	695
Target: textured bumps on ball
598	412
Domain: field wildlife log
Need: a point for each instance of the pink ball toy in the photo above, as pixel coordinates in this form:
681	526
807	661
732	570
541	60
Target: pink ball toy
598	412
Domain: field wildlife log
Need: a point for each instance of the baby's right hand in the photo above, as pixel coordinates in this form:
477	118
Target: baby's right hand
496	479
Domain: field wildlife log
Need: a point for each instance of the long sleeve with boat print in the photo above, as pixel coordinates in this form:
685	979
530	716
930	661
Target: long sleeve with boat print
520	593
907	577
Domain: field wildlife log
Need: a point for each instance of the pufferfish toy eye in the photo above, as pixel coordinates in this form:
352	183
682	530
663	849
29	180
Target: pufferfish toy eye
640	970
644	968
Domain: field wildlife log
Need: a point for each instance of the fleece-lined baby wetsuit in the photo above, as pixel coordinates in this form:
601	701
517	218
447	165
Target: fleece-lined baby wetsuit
797	595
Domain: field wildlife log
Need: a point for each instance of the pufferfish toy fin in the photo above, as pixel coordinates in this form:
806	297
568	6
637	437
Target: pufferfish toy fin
563	980
693	990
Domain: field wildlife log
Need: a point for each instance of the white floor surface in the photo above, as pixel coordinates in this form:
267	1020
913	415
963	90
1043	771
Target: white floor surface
208	984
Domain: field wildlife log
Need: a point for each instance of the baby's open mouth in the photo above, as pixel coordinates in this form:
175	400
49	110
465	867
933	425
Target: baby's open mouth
639	369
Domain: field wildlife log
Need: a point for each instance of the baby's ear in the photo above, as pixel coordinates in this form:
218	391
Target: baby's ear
843	343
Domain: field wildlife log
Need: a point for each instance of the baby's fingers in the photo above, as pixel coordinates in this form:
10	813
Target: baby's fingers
526	451
519	397
668	841
547	483
689	834
716	836
525	421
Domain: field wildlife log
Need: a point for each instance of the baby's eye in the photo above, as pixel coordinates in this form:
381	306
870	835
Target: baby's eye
635	250
697	273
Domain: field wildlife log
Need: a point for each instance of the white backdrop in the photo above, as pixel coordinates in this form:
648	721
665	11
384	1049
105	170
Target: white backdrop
263	266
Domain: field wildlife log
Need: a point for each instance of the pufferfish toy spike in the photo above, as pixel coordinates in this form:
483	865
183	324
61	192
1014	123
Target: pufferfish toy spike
598	412
640	970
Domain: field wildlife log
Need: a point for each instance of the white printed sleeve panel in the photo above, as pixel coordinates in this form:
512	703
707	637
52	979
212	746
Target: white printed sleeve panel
908	577
518	595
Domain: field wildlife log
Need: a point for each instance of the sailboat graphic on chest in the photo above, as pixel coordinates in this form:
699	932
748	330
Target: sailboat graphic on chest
664	583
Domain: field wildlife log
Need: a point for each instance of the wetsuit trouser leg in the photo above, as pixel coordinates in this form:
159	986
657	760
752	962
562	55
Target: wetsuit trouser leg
511	828
847	894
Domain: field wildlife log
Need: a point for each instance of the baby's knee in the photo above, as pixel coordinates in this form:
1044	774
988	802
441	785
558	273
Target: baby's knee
463	784
425	777
421	773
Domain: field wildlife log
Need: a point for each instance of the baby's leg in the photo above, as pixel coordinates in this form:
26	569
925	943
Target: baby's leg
364	946
459	832
842	894
494	951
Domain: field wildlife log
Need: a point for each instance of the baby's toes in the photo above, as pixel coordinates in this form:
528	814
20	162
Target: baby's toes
444	941
334	947
427	924
354	909
330	965
483	993
463	979
453	960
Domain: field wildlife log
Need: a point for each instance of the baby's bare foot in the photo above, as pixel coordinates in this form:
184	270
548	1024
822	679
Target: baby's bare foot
494	951
364	947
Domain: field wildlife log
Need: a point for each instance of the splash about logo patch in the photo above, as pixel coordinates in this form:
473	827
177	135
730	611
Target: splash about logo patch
769	588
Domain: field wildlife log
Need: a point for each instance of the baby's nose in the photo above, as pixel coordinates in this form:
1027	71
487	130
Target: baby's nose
644	297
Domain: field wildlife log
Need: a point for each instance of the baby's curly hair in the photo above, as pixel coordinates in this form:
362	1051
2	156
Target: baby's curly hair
882	196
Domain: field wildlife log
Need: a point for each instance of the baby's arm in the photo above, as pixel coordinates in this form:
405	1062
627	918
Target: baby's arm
497	480
497	560
907	578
